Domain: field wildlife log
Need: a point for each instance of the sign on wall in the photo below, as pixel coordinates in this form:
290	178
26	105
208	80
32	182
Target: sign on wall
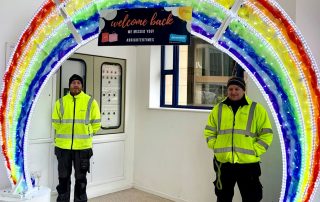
145	26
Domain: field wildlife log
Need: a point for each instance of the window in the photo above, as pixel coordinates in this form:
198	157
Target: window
195	76
78	67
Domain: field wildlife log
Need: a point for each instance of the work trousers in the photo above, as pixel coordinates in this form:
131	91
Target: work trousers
245	175
81	162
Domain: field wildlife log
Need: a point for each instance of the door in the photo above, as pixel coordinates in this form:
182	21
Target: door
104	79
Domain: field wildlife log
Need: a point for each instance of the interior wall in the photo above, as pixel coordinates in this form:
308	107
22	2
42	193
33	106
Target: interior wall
15	16
171	158
289	6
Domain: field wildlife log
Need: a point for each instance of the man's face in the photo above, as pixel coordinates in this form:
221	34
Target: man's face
235	93
75	87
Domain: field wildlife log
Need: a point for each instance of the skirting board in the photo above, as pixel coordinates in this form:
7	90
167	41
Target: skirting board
99	190
158	193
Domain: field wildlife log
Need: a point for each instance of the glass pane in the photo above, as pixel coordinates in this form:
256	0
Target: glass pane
68	68
215	58
110	97
211	94
168	65
183	75
168	89
203	74
228	65
208	94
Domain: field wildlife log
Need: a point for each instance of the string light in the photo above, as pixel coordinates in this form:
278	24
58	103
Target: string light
27	72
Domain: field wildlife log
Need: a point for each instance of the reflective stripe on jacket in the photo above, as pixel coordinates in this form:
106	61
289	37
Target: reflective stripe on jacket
75	119
239	138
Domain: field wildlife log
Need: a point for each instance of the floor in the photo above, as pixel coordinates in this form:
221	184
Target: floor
129	195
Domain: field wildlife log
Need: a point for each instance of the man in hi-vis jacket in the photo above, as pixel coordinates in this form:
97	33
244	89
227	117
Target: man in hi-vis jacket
75	118
239	132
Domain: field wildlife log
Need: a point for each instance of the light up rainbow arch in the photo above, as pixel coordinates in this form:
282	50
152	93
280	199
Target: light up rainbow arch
258	34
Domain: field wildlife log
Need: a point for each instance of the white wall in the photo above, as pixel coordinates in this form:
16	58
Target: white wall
15	15
289	7
171	158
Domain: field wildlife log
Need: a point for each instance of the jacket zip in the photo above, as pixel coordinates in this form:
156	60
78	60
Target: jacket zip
232	148
234	123
74	112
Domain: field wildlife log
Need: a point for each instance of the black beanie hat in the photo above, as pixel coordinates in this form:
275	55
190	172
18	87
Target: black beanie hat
75	77
237	81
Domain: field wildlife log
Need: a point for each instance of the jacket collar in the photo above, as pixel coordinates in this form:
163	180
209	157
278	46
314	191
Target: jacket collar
77	96
245	100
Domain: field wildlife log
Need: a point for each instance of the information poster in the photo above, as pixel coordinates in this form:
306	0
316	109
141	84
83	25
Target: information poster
145	26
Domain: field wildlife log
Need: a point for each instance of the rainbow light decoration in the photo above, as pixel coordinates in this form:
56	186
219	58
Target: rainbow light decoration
258	34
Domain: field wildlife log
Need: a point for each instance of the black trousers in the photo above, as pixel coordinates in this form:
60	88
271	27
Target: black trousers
245	175
81	162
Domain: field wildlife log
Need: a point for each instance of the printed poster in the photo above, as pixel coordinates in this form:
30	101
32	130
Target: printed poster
145	26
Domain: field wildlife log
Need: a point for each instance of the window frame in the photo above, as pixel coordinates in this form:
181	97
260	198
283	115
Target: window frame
175	81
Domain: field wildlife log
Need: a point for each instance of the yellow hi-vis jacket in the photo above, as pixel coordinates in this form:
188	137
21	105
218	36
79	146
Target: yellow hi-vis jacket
238	138
76	119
